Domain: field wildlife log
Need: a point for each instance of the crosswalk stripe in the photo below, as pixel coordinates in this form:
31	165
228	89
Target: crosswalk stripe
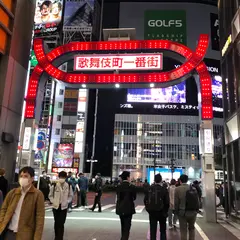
139	208
108	206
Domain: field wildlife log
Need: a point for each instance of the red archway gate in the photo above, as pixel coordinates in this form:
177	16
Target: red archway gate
49	63
192	61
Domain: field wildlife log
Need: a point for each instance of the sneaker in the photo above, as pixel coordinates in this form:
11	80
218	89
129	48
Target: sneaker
170	227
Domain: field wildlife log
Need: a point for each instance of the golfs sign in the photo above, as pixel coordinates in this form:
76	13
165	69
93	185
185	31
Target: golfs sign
165	24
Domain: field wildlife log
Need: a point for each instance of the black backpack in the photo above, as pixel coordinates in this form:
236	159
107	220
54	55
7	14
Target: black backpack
154	201
192	199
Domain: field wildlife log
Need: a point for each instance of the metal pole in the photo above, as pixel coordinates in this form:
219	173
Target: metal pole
91	169
96	100
154	159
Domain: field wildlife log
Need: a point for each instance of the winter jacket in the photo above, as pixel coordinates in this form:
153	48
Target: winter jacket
83	183
61	195
172	196
31	221
126	195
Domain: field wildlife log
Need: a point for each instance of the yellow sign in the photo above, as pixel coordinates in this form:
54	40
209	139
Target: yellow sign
226	45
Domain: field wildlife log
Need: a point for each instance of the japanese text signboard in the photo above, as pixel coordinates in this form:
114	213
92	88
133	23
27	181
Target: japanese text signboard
118	62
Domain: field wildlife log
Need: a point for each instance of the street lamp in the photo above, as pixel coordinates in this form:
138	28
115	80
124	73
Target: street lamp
92	161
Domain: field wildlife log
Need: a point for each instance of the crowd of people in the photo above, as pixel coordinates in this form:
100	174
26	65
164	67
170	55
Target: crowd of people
23	209
178	200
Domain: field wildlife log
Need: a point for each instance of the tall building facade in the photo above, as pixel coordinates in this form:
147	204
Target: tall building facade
229	21
16	27
140	139
148	22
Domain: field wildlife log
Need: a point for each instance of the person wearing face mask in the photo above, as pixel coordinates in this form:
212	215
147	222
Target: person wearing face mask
44	185
60	195
18	218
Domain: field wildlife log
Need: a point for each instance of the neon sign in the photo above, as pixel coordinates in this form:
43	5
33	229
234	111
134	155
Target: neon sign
193	61
120	61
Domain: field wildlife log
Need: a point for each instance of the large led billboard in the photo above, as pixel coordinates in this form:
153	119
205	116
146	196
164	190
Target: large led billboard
165	173
63	156
217	94
79	14
48	15
173	94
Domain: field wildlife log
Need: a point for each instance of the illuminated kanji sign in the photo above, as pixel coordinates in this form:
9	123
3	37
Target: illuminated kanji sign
193	63
119	61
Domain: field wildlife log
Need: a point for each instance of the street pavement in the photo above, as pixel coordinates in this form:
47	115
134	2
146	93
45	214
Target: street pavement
86	225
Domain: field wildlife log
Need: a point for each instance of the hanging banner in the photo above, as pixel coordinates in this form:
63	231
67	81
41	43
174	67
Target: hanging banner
48	16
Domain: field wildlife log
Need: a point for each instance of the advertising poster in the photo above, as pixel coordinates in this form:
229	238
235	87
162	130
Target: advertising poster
173	94
165	24
214	31
48	16
79	14
63	156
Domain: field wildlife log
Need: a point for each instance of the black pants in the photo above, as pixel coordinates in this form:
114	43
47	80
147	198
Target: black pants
125	226
83	196
59	221
45	192
97	201
154	218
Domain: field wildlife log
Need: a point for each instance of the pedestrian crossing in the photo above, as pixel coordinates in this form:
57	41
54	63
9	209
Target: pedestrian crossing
109	208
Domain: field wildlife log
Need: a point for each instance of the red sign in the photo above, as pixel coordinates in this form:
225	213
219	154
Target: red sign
57	170
123	61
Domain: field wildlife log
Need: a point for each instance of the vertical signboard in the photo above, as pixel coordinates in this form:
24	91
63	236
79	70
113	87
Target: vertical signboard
166	24
79	14
27	138
208	145
48	16
214	31
79	138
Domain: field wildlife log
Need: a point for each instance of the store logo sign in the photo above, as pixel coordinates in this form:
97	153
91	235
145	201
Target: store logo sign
164	23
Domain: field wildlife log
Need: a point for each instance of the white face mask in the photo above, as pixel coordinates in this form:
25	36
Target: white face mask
61	180
24	182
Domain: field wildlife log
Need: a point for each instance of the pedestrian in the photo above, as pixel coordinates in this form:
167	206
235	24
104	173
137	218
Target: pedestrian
60	195
98	193
186	205
125	207
72	181
82	193
44	185
156	201
196	185
146	186
3	182
23	211
172	216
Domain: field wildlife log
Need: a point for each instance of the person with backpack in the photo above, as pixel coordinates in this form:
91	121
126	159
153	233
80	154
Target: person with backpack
60	195
156	201
125	207
186	203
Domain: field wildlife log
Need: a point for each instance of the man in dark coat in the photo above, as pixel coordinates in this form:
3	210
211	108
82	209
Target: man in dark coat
98	193
156	201
125	207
